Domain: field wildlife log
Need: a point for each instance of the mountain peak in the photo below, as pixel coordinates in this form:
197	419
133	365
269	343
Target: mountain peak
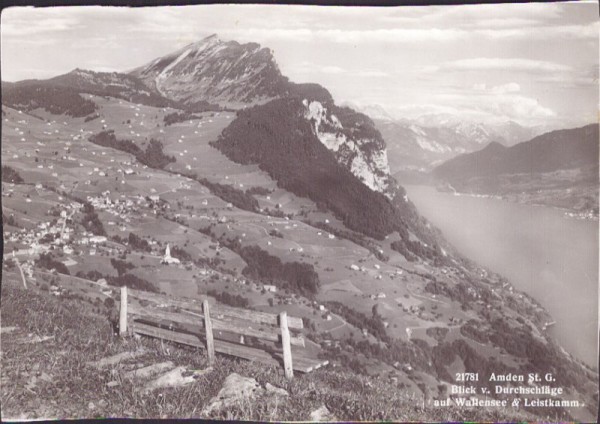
495	146
215	71
206	42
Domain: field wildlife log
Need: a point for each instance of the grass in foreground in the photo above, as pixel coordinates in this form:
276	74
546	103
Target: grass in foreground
50	379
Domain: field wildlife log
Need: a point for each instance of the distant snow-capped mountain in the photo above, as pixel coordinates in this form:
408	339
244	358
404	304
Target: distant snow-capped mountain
506	132
373	111
430	139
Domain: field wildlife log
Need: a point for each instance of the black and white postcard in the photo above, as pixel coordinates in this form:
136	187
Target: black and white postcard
300	213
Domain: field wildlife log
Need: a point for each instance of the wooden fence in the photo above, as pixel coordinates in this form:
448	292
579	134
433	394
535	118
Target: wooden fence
252	335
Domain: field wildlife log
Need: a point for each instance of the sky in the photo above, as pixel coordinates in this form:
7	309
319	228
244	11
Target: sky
536	64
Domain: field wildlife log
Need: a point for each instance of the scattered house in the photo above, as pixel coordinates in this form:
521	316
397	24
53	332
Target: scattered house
68	250
404	367
321	307
98	239
328	317
377	266
354	267
69	262
381	295
154	197
270	288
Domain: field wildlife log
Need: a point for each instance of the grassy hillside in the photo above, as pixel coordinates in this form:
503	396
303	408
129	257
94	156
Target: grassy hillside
50	379
54	99
277	138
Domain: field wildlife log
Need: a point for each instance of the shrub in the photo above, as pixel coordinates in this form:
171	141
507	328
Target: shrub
132	281
153	156
137	242
121	266
46	261
91	221
175	117
181	254
297	276
10	175
229	299
236	197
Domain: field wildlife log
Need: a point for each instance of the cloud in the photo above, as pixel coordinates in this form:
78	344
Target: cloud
331	69
483	12
306	67
503	23
542	33
349	36
370	73
577	79
500	64
19	22
480	103
511	87
502	102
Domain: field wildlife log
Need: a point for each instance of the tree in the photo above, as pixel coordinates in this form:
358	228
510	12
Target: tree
121	266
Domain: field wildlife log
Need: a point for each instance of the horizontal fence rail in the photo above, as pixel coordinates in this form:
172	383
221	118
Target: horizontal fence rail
244	333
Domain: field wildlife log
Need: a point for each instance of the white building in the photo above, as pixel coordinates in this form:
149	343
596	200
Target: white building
167	259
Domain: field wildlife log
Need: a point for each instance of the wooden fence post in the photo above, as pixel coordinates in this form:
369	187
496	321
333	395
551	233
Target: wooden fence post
287	349
21	271
210	344
123	312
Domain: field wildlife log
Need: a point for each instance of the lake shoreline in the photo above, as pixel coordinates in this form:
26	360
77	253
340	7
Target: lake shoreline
552	259
515	198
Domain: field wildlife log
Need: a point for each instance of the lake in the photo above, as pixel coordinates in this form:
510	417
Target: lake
543	253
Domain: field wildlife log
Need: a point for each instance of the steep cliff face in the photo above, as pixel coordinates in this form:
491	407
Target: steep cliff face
362	152
228	73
